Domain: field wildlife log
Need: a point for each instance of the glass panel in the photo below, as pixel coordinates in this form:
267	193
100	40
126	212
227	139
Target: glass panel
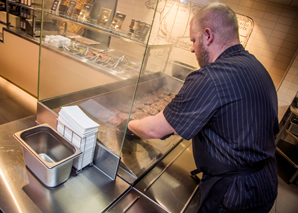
154	92
98	57
92	57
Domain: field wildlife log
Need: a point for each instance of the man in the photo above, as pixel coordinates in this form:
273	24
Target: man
229	109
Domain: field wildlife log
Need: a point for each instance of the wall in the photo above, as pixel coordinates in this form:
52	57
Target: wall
274	39
274	42
19	62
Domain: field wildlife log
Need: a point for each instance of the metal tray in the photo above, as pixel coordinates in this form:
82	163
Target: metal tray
47	154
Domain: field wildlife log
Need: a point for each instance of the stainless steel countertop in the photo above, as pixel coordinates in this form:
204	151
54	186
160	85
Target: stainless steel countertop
20	191
170	184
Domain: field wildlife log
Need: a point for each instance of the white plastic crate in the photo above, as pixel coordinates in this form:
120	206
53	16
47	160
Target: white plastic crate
85	144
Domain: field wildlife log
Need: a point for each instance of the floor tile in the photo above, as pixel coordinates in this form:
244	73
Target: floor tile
273	210
287	198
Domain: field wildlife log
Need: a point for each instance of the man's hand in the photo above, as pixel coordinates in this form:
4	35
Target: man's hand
151	127
129	134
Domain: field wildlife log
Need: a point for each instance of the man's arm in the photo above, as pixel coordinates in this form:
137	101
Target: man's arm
151	127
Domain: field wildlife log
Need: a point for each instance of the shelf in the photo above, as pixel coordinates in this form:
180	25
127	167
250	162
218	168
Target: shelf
293	128
34	6
289	151
106	31
102	30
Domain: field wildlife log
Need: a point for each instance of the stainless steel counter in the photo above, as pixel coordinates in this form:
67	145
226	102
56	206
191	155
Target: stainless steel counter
170	184
168	187
20	191
163	185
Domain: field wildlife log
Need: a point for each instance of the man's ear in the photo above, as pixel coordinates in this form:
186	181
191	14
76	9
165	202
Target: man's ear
209	35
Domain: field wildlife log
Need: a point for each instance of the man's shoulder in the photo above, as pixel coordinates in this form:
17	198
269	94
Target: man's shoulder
202	74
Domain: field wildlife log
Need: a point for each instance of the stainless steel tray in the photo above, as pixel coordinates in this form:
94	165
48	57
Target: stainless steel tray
47	154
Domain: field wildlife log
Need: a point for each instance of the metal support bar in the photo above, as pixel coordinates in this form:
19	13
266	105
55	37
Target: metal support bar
190	198
293	177
7	14
33	25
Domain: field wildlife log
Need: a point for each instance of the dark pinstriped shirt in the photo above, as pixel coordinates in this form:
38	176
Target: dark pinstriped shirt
233	102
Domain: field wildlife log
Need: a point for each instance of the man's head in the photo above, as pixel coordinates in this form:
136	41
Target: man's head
213	29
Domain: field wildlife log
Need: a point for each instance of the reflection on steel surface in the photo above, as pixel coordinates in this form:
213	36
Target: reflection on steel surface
175	188
10	191
131	204
150	184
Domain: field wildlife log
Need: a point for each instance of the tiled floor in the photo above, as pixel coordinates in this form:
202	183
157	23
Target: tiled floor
12	108
287	198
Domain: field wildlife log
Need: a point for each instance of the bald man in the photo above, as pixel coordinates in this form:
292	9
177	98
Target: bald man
229	109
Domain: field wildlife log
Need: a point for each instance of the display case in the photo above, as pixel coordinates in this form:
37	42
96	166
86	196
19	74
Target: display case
95	56
100	56
90	33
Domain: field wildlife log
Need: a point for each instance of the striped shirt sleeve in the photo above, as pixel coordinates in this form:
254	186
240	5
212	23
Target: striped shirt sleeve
193	106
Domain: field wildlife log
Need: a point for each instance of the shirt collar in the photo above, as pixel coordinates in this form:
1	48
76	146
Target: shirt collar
231	50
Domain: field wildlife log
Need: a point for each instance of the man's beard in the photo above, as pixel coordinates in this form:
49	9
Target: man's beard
203	55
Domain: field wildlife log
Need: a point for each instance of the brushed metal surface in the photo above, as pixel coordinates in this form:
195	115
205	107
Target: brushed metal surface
170	184
46	115
135	201
20	191
47	154
106	161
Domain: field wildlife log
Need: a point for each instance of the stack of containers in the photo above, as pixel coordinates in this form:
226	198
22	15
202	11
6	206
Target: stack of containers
81	131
